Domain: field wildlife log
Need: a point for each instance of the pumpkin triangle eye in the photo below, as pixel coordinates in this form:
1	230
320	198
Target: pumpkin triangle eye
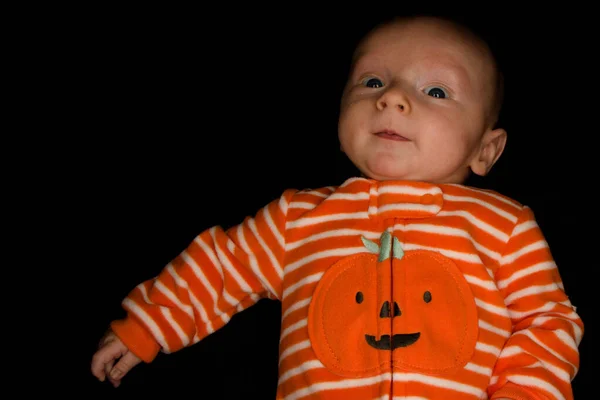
397	312
385	310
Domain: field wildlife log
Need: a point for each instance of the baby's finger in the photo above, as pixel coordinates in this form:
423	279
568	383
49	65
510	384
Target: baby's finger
123	366
101	358
107	367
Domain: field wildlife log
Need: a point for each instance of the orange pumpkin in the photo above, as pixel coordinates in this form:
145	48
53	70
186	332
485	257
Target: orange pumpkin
387	309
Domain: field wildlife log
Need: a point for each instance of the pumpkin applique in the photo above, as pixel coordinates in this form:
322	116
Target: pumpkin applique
390	309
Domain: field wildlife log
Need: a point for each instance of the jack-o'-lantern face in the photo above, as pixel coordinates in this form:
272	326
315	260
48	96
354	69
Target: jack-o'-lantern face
373	312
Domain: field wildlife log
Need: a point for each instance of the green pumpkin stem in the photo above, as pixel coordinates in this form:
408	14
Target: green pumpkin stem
397	250
386	249
386	246
370	245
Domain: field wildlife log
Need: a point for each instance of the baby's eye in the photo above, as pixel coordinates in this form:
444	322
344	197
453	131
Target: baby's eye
436	91
372	83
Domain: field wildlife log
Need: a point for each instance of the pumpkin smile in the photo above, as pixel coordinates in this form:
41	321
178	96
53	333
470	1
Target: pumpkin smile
398	340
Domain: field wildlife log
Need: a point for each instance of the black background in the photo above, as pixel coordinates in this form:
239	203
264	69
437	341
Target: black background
180	119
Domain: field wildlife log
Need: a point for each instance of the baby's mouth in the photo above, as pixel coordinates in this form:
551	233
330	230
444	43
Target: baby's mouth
391	135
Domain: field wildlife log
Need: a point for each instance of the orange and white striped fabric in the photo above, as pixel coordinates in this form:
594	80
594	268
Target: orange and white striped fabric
389	290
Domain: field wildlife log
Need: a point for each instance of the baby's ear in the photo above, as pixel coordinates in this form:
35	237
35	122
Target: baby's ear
491	147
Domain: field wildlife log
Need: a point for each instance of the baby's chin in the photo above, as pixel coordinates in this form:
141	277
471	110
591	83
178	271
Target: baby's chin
385	172
385	175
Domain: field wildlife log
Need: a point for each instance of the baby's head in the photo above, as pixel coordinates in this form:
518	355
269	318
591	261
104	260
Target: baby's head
421	103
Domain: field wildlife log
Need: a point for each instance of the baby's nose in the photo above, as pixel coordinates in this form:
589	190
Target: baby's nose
394	97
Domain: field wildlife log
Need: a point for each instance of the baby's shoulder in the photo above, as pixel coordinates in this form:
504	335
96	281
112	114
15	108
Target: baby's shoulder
310	198
488	198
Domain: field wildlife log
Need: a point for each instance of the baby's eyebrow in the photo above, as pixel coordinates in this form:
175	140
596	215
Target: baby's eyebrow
360	64
452	73
456	76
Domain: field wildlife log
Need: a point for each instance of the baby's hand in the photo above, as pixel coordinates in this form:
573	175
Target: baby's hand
110	349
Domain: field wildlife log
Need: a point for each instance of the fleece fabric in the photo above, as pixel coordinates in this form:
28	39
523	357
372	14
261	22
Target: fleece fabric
393	289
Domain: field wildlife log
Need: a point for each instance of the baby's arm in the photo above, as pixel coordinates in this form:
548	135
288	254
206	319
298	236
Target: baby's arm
218	274
541	357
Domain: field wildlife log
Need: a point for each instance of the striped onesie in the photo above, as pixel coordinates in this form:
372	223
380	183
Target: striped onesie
389	290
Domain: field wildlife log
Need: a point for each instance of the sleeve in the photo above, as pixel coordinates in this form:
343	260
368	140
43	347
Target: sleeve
541	357
218	274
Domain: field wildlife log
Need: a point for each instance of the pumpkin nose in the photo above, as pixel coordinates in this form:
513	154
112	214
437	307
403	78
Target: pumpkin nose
385	310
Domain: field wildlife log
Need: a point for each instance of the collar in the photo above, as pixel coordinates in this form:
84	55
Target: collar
397	199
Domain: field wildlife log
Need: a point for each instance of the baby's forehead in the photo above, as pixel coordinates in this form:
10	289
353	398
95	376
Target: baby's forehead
437	31
438	35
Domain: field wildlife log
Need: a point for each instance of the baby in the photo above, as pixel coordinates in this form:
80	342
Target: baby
402	282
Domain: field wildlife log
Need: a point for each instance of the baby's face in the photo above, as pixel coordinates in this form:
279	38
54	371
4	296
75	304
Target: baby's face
416	104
